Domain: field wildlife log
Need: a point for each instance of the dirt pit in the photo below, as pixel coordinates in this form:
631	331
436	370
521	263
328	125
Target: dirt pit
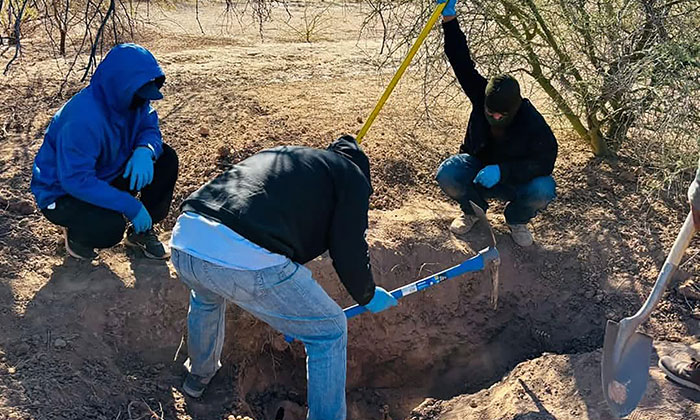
444	341
439	343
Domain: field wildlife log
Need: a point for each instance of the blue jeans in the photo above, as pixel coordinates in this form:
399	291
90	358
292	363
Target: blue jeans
456	178
287	298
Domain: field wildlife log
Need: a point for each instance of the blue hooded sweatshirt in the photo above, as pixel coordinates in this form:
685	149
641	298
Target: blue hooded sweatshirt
91	138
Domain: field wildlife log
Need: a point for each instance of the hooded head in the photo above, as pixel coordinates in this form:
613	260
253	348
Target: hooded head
126	70
502	100
148	92
347	147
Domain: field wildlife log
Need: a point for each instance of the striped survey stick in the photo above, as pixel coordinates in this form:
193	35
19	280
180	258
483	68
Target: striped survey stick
476	263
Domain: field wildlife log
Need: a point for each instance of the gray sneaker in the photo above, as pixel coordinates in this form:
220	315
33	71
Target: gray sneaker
682	372
463	224
521	235
147	242
77	250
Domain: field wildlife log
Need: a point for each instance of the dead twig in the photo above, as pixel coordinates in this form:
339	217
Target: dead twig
196	14
150	414
177	352
88	21
98	37
17	31
689	260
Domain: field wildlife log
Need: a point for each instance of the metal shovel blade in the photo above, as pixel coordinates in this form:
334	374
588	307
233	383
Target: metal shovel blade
626	353
495	280
625	379
482	217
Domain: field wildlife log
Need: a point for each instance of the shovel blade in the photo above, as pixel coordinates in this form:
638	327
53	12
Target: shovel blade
482	217
624	380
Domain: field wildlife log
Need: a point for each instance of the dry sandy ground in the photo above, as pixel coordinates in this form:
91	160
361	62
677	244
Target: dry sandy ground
101	340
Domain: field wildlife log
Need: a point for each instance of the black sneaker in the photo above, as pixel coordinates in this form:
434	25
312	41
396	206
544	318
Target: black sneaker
76	250
149	243
194	385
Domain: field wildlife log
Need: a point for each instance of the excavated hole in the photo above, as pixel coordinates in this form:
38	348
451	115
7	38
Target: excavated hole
442	342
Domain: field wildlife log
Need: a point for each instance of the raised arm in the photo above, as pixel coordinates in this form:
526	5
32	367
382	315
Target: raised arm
457	51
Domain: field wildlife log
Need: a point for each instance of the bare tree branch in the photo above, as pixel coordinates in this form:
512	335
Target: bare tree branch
93	51
18	15
196	12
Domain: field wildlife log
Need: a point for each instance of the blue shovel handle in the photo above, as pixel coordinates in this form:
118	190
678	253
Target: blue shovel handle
473	264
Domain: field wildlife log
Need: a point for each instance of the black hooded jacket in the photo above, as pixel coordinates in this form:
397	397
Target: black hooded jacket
527	150
299	202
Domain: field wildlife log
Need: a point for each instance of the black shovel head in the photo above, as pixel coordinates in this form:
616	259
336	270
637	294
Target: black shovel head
625	379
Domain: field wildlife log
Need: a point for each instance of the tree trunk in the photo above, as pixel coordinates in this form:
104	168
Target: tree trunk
598	144
62	43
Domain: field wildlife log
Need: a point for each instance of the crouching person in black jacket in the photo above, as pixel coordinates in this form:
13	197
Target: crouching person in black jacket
244	236
508	151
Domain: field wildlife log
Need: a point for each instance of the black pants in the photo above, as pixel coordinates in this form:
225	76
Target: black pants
98	227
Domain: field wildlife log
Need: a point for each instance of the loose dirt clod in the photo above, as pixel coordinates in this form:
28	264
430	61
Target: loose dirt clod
617	392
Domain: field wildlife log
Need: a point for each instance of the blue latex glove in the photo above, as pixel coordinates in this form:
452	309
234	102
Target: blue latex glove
140	168
489	176
381	300
450	9
142	222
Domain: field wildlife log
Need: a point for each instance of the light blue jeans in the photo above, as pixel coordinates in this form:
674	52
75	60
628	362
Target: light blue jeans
287	298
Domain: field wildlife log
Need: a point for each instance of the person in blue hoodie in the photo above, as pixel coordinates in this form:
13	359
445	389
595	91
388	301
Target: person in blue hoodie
103	165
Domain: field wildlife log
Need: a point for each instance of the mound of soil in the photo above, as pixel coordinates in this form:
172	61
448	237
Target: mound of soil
564	387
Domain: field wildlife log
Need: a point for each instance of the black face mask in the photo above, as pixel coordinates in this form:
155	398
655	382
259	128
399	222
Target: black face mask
137	102
148	92
505	120
502	95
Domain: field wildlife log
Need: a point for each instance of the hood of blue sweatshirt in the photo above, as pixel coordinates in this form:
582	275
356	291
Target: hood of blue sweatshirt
123	71
90	139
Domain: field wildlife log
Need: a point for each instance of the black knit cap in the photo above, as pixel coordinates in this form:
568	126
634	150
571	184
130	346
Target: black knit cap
503	94
347	147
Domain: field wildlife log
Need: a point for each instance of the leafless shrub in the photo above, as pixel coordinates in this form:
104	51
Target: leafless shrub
259	11
313	21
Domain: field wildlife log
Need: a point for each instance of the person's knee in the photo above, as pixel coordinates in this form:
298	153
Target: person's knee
109	232
453	173
340	322
449	185
337	333
168	161
541	192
